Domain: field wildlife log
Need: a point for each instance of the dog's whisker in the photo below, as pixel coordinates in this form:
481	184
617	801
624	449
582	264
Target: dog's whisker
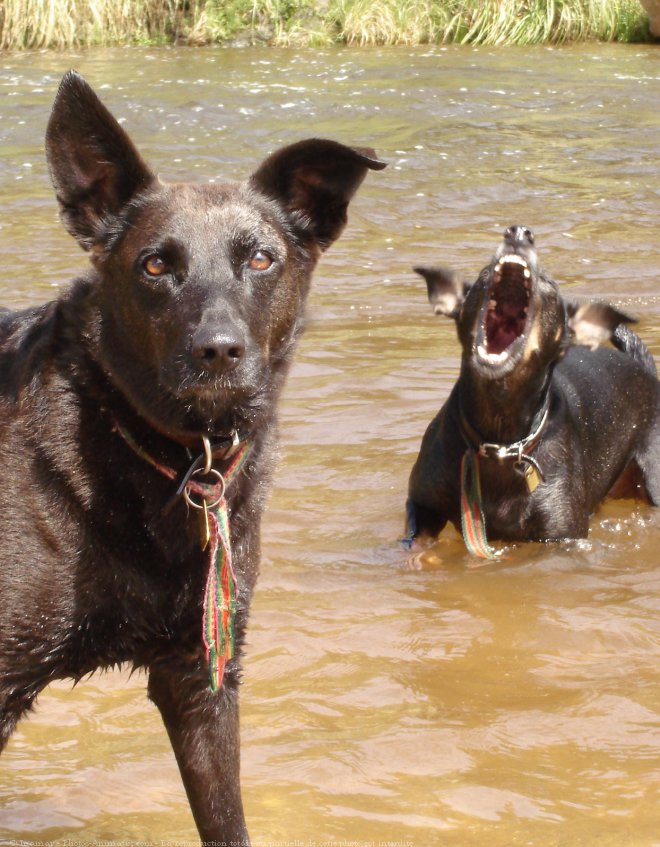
158	357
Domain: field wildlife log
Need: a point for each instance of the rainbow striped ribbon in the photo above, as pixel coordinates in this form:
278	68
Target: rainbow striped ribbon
472	516
221	592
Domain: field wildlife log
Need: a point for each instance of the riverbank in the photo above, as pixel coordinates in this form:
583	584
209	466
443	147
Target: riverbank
38	24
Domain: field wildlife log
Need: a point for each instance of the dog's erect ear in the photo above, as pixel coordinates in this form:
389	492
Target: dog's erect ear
446	290
592	324
314	180
93	164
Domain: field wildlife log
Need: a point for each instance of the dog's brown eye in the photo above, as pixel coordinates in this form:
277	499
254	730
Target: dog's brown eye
154	265
260	261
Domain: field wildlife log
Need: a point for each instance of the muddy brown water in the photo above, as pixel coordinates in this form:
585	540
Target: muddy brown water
515	703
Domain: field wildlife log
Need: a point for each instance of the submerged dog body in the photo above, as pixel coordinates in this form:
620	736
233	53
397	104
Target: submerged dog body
182	331
553	425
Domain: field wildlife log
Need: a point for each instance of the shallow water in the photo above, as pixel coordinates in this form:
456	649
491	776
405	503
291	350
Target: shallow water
515	703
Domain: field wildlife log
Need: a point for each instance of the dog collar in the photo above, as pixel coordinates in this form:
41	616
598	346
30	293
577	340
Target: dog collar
491	450
518	451
222	450
473	524
209	500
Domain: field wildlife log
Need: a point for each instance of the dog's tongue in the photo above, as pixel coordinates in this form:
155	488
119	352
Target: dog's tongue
501	331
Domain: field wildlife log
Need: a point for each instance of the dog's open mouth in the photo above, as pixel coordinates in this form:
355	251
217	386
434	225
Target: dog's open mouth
506	313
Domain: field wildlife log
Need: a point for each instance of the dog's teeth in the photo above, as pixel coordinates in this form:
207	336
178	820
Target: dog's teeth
492	358
513	259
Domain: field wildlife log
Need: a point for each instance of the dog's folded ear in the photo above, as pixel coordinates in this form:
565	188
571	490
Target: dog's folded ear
593	324
314	181
94	166
445	288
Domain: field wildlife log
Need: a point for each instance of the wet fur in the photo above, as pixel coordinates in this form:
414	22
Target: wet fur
603	424
92	573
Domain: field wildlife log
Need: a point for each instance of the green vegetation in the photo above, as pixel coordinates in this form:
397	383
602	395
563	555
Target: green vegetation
30	24
493	21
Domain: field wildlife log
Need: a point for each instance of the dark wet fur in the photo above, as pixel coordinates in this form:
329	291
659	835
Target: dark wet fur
603	430
93	573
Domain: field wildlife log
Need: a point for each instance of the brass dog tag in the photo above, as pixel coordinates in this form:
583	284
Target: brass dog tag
532	478
204	528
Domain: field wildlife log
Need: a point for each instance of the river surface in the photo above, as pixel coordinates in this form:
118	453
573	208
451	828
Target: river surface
511	703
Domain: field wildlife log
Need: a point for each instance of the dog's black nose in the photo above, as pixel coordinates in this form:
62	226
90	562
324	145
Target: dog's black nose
218	351
518	235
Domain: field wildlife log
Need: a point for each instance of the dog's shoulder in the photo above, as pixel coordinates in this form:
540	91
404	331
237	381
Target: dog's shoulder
607	388
608	367
31	339
22	337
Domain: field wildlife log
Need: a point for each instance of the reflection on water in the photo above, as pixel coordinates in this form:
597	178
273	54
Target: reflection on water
510	703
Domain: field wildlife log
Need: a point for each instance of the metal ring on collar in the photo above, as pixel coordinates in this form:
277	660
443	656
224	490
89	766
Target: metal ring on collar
211	504
208	456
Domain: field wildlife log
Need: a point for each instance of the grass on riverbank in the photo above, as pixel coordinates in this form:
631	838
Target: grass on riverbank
33	24
493	21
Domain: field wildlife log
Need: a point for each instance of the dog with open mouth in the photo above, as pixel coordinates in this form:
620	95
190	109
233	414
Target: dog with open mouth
543	421
138	429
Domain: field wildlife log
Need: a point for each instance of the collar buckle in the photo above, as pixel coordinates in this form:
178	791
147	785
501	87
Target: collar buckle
500	452
519	451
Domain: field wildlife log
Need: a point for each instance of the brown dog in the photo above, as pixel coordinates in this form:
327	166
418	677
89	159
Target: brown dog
137	418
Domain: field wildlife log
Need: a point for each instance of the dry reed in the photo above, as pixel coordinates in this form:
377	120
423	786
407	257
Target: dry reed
34	24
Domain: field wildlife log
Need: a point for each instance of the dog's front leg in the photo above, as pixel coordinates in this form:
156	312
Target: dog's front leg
204	730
